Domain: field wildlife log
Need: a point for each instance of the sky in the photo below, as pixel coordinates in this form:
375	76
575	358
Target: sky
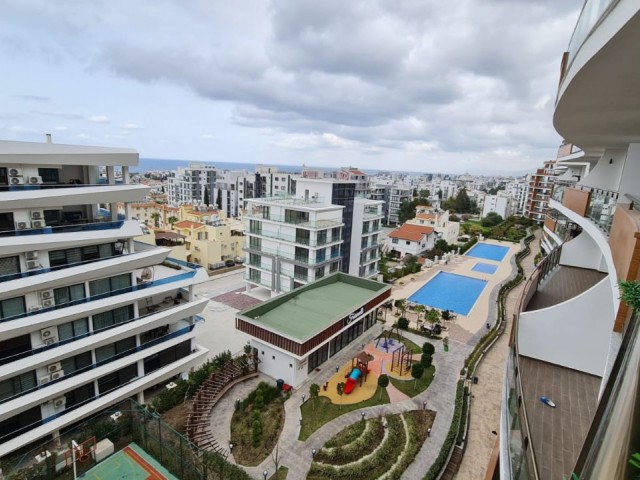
416	85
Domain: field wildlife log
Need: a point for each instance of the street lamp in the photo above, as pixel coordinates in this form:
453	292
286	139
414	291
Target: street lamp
362	413
303	397
337	368
424	405
264	474
313	453
231	447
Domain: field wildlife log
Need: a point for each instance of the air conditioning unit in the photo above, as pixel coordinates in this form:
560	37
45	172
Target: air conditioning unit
38	224
44	294
35	308
48	303
15	172
35	180
59	402
22	225
48	333
51	341
57	375
54	367
17	181
37	214
32	264
31	255
44	380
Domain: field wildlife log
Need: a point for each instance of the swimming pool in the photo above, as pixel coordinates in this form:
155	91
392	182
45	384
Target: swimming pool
485	268
488	251
448	291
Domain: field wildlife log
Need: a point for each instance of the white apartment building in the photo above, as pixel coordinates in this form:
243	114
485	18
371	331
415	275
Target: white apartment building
395	196
518	190
290	242
500	204
88	317
187	184
430	216
351	174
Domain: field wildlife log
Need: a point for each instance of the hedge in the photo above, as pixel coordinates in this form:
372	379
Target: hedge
443	456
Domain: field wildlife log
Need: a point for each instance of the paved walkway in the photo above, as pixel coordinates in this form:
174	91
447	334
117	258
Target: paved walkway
487	394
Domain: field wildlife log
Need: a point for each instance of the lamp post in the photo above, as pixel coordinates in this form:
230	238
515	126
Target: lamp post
264	474
424	405
362	413
337	368
313	453
230	447
303	397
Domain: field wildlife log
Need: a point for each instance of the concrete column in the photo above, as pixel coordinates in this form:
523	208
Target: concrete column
113	207
125	175
111	175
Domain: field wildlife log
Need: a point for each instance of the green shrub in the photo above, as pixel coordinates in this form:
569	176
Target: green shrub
425	360
256	431
403	323
428	348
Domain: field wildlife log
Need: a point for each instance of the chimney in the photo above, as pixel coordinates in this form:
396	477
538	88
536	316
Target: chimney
48	135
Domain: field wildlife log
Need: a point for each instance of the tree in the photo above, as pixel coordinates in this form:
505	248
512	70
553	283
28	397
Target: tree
428	348
425	193
155	216
433	316
206	195
417	370
314	391
425	360
340	389
403	323
439	193
420	309
275	456
172	220
401	305
491	220
442	245
219	199
383	382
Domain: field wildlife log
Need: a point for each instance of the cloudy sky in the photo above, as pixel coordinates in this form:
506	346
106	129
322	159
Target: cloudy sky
420	85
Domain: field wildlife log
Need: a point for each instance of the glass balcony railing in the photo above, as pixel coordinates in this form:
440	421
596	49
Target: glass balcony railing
105	361
74	227
592	12
307	260
100	296
259	281
303	222
292	238
601	206
49	186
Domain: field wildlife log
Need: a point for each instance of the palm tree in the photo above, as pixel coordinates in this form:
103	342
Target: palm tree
419	311
401	305
156	219
172	220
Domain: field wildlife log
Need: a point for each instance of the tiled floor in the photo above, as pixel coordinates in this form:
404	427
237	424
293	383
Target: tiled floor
237	299
563	284
559	432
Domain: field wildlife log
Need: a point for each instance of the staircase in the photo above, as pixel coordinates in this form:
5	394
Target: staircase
453	465
209	393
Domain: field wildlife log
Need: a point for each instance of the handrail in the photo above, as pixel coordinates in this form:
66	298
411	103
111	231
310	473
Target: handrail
35	351
48	186
111	293
293	239
96	224
124	354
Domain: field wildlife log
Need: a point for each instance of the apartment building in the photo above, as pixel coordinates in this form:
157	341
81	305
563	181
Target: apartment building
500	203
209	244
88	316
395	196
188	184
351	174
438	219
518	190
574	341
540	187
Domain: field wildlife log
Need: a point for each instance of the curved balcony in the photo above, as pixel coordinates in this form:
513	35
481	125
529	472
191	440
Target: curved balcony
596	204
598	93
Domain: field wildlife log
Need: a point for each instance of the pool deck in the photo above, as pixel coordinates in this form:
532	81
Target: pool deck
464	327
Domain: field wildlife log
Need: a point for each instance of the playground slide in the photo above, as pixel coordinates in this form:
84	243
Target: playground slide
351	381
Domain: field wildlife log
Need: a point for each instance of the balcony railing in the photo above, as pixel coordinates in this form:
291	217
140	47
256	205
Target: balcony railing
302	222
259	281
49	186
100	296
593	11
126	353
73	227
601	203
292	238
291	256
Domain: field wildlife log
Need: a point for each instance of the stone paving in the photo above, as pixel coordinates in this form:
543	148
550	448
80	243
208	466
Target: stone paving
486	396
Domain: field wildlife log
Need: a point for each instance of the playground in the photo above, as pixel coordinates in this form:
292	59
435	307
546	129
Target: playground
132	463
360	375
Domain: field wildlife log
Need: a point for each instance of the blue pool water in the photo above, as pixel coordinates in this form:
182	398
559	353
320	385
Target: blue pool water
485	268
448	291
488	251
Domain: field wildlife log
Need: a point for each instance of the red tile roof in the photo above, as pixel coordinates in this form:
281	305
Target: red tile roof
188	224
411	232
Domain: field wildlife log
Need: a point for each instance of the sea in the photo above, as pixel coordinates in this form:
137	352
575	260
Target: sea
158	164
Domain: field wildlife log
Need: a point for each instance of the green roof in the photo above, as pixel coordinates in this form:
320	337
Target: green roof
310	309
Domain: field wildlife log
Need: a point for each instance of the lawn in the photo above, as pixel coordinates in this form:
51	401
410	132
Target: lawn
325	411
410	387
281	474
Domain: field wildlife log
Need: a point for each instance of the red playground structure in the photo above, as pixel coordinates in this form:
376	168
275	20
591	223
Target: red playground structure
359	370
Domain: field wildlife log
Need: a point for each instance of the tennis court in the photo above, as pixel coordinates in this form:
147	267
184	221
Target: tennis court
130	463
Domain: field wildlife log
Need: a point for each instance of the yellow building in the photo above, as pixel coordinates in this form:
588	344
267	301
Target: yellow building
211	244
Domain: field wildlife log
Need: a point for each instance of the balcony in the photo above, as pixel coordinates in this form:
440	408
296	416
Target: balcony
303	223
77	226
292	238
305	260
594	203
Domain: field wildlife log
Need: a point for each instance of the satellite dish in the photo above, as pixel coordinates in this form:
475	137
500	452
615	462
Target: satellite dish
147	274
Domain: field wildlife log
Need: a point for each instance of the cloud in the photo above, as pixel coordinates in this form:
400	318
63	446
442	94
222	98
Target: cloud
98	119
130	126
33	98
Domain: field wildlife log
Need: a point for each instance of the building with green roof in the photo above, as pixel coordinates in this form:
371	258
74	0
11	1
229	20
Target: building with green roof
297	332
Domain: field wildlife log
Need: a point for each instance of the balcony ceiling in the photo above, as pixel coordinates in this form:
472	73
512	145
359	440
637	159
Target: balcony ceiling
600	104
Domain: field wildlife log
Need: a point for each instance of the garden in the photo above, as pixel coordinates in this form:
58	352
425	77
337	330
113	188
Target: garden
373	448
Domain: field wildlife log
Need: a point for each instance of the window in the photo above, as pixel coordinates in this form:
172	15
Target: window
300	272
322	237
71	330
9	265
166	357
17	385
6	222
112	317
115	350
76	364
26	420
49	175
294	216
319	272
12	307
394	240
408	242
15	348
69	294
333	267
80	395
111	284
71	256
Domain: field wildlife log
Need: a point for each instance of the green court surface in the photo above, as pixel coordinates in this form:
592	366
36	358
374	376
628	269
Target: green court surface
130	463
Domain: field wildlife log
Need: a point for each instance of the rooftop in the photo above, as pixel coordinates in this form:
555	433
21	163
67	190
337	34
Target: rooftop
32	152
307	311
411	232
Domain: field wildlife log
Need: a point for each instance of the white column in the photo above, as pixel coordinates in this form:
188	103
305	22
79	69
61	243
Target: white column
125	175
111	175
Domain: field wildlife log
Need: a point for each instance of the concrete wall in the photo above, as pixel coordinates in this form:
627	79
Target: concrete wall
582	252
607	173
574	334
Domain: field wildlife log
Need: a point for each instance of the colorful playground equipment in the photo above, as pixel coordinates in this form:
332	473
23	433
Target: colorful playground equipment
359	371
